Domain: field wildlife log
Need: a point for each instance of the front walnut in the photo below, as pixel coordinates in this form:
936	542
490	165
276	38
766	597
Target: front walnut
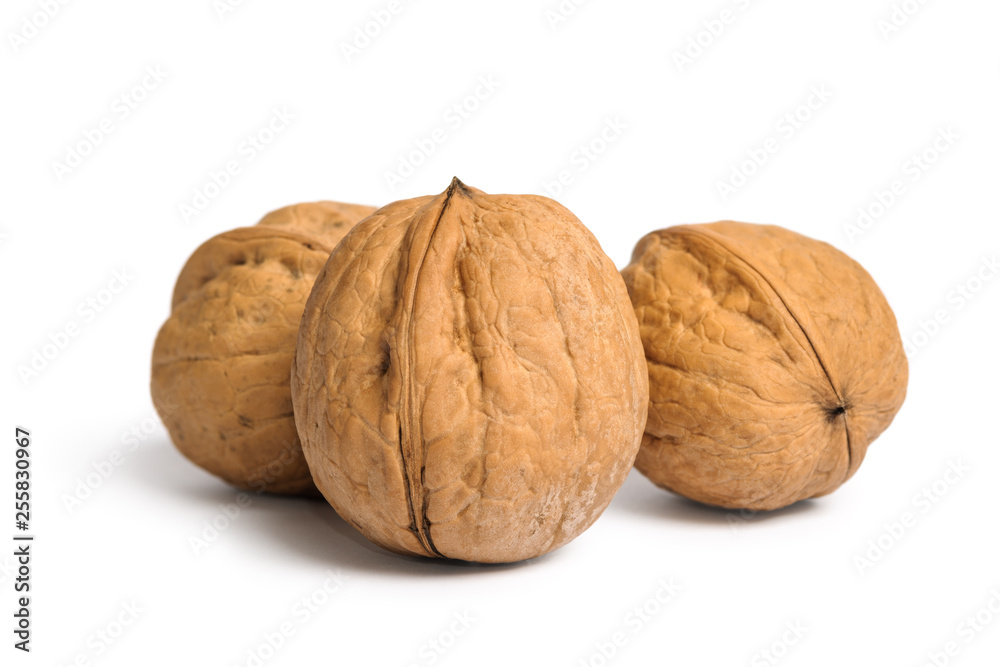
469	381
774	361
222	360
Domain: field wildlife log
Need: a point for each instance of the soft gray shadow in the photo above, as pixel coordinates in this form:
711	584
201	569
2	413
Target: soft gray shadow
163	470
314	531
307	528
639	496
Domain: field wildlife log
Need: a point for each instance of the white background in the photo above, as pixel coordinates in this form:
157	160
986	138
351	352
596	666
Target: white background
742	578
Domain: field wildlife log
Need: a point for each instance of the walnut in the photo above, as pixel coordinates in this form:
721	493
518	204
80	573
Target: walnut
469	380
223	358
774	361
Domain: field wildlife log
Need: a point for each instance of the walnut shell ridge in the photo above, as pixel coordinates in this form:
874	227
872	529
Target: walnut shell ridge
774	362
222	360
469	381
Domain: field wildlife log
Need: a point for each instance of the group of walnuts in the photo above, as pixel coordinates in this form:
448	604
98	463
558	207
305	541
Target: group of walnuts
469	376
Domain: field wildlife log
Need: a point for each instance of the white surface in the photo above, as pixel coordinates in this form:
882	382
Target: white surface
742	579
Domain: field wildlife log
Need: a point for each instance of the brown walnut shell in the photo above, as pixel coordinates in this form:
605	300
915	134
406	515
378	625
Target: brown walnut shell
222	360
774	361
469	381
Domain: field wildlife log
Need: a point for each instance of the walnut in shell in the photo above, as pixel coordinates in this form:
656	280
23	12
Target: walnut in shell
222	360
774	361
469	381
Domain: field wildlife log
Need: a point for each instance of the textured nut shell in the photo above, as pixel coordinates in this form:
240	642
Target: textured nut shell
469	381
222	360
327	221
774	361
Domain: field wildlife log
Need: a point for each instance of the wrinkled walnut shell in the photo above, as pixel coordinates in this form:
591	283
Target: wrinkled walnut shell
774	361
469	380
222	360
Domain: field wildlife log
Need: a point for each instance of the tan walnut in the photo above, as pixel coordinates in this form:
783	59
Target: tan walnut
222	360
469	381
774	361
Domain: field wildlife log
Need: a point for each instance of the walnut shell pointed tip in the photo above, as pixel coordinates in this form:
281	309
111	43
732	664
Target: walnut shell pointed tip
774	362
469	380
